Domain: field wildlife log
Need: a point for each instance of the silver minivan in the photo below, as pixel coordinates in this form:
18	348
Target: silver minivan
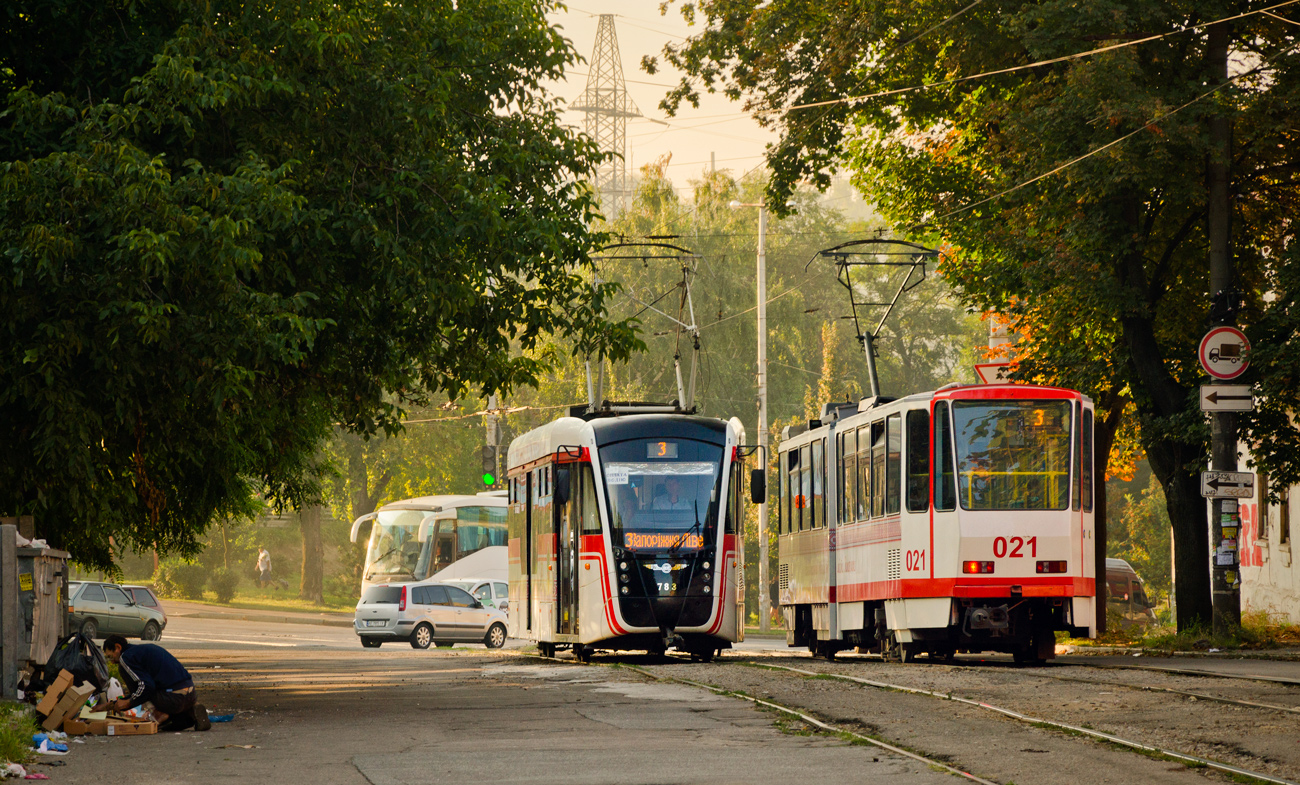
494	594
425	614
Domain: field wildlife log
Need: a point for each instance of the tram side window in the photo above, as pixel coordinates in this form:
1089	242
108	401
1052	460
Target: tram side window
918	460
818	485
1087	460
893	463
878	456
849	465
584	496
734	509
806	488
783	500
945	477
795	507
864	472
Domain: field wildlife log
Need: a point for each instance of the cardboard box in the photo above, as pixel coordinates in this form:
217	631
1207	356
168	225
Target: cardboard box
68	706
79	727
54	693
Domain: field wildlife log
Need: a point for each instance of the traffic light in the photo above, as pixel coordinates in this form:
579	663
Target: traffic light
489	465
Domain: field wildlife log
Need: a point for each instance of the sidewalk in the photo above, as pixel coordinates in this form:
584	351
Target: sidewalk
199	610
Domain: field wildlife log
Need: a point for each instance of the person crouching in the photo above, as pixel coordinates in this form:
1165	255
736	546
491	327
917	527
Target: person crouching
151	674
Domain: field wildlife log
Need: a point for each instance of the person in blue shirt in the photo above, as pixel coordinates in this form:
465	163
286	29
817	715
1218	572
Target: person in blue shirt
151	674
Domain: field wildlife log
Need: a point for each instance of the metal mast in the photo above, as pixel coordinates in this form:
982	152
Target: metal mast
608	106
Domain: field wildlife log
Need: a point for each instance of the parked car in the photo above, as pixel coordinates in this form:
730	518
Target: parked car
100	609
424	614
1126	595
493	594
143	595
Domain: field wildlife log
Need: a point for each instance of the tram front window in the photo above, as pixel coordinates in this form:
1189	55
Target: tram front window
395	548
1013	455
663	494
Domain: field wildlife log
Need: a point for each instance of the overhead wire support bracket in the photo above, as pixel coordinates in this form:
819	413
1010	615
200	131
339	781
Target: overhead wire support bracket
878	253
688	262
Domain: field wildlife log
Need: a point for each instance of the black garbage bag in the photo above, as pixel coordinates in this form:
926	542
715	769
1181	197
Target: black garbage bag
79	656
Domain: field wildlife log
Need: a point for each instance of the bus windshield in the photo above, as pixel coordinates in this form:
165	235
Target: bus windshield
1013	455
395	552
663	494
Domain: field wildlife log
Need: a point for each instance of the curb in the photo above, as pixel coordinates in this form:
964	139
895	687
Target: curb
266	619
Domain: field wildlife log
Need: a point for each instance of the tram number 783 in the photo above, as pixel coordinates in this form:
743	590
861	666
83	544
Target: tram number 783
1013	548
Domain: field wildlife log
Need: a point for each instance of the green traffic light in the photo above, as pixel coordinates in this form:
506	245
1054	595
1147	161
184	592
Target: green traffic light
489	479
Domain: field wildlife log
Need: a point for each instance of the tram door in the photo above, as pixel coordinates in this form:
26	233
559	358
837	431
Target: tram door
527	557
567	528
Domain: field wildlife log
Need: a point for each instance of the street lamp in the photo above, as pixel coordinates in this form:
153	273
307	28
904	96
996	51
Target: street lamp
764	603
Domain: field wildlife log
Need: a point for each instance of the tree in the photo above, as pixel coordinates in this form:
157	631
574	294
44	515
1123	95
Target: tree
229	226
1074	186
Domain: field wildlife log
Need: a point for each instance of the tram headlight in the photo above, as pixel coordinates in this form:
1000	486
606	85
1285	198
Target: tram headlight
622	590
623	577
622	565
708	589
706	565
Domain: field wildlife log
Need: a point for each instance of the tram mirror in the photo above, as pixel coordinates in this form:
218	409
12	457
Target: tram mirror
757	486
561	485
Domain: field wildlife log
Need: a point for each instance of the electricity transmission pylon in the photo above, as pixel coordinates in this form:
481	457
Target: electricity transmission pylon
608	107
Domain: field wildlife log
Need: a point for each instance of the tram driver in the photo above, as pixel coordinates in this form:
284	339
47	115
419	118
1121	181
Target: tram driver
671	498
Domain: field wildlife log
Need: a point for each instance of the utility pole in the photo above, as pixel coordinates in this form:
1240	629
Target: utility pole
764	588
1225	527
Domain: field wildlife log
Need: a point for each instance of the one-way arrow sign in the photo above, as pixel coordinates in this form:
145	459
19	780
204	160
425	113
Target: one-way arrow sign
1226	398
1227	485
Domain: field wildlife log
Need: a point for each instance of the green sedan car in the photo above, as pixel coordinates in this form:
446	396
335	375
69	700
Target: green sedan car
100	609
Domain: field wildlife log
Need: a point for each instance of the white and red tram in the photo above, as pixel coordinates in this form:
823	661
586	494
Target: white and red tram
623	533
957	520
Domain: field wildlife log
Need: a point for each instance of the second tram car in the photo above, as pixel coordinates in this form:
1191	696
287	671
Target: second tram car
957	520
624	533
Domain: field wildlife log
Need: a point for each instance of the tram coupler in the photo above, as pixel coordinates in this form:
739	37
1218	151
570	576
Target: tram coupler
997	618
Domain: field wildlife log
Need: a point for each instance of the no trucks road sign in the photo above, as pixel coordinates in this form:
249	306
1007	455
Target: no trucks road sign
1223	352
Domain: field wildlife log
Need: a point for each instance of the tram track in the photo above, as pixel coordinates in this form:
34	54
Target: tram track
1156	749
1171	754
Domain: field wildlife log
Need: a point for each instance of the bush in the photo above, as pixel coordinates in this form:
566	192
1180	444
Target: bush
223	583
343	585
174	578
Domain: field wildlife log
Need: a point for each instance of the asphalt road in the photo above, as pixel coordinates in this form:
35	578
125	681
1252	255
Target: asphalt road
312	706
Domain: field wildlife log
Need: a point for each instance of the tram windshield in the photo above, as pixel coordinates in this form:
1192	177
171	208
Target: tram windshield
1013	455
396	553
664	494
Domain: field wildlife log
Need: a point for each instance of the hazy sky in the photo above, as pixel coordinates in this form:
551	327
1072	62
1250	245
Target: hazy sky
718	127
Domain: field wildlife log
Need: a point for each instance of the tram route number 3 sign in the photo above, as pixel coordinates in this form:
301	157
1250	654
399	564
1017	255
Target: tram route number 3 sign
1224	352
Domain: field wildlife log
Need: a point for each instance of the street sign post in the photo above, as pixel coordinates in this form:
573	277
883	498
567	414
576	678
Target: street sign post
1226	398
1224	352
1227	485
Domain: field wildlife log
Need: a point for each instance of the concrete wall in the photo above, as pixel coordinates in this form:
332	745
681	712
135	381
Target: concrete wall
1270	578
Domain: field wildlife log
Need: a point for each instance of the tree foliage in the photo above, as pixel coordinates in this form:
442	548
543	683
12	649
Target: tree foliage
1102	263
229	226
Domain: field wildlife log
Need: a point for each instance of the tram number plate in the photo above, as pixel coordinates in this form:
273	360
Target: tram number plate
1014	547
915	561
667	585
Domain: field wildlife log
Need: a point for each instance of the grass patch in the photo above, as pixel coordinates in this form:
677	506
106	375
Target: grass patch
254	599
1259	631
16	728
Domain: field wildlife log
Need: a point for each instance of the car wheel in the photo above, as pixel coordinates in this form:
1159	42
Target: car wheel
90	628
496	636
421	637
152	632
371	643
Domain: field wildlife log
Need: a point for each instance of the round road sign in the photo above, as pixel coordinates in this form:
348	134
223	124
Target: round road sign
1224	352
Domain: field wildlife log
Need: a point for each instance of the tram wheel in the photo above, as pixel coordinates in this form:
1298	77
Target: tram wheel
703	655
546	649
583	653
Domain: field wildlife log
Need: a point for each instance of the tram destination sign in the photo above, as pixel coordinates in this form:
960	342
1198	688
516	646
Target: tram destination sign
1226	398
1227	485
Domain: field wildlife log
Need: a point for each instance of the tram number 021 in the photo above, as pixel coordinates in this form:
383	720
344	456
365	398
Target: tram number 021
1014	547
915	561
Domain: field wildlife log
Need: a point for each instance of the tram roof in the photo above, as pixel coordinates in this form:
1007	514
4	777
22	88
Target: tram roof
574	431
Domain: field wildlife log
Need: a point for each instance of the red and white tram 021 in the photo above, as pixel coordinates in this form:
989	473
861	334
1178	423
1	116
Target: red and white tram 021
623	534
957	520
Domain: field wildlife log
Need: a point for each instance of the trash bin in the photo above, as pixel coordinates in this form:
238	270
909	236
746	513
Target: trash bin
33	606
